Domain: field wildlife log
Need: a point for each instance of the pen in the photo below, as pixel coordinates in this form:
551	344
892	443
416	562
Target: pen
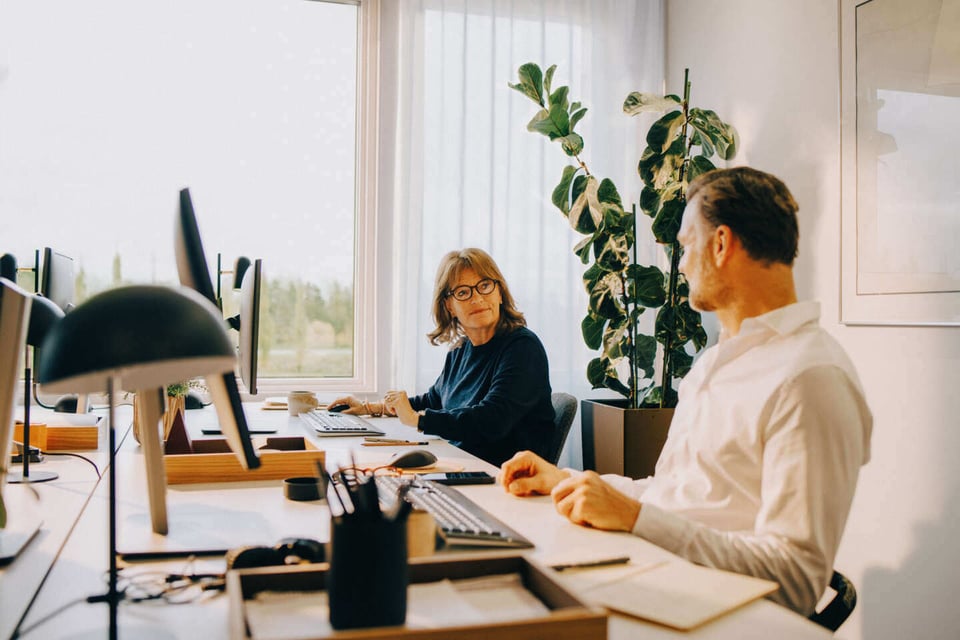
393	443
599	562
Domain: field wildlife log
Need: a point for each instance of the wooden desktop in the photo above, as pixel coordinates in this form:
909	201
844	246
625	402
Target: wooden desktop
64	565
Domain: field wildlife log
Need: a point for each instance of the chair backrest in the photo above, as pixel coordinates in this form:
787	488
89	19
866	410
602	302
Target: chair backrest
839	609
564	409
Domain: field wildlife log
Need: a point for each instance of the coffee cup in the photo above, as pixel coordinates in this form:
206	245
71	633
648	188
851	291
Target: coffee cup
300	401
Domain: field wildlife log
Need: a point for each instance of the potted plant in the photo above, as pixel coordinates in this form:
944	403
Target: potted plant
640	366
176	394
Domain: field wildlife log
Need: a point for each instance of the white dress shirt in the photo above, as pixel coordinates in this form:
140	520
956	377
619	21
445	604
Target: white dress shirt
761	461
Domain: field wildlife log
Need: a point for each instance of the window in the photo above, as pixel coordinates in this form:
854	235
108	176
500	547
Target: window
108	108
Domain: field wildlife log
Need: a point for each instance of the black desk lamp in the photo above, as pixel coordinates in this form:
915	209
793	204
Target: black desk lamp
44	314
133	338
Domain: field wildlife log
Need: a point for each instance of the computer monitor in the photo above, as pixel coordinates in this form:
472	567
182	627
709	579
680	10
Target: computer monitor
8	267
58	280
194	273
18	527
247	322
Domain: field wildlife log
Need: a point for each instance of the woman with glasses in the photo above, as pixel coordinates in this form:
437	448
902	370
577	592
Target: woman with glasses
492	398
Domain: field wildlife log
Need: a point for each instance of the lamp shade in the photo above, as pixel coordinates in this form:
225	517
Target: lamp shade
44	314
141	336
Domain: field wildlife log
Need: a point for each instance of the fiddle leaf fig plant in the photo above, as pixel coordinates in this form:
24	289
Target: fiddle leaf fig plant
680	145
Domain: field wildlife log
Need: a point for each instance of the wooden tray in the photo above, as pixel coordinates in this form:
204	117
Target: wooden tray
569	618
213	461
60	437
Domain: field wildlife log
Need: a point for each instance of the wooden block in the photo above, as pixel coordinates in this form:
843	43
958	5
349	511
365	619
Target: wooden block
212	461
60	437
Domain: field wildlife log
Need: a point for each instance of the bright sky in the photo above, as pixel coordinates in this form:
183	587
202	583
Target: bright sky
109	107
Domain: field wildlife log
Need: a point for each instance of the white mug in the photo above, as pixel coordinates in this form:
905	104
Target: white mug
301	401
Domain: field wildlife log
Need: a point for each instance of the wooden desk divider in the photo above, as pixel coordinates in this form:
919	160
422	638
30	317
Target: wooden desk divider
211	459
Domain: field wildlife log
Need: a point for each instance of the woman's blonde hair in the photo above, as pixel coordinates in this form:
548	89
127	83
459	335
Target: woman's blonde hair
451	266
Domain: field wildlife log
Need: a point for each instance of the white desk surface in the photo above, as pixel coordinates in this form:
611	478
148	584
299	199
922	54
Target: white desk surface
79	570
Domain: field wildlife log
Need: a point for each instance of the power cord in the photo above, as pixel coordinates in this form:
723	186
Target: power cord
75	455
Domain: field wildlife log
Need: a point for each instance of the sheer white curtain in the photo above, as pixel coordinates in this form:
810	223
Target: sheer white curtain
462	170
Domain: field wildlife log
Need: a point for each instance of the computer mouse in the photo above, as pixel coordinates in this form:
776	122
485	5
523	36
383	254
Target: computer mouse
66	404
192	401
337	408
413	459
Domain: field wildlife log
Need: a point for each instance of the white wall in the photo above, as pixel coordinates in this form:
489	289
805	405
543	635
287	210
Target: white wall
772	69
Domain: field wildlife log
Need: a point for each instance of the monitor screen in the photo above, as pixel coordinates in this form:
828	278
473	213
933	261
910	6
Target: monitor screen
57	280
248	324
16	530
194	273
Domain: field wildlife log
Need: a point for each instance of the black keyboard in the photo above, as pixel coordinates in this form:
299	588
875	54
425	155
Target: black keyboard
463	521
339	424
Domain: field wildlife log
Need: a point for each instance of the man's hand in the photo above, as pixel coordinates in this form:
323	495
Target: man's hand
527	474
586	499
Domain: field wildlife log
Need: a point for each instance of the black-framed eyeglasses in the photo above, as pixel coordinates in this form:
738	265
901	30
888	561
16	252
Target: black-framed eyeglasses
465	291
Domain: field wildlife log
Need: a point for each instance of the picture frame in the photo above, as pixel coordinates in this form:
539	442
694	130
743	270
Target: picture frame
900	199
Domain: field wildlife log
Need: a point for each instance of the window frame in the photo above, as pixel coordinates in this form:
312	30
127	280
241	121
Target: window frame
365	264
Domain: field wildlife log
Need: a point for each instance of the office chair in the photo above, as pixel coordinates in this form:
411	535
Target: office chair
841	606
564	409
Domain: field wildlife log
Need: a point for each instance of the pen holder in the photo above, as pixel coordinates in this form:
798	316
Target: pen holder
367	580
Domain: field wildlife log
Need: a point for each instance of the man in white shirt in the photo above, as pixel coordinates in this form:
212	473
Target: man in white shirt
761	462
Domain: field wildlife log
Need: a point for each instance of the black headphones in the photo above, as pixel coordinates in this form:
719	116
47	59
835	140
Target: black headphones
287	551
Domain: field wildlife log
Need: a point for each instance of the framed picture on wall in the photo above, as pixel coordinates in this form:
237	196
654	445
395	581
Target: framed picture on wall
900	162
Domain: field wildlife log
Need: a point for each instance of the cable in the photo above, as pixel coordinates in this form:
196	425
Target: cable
22	631
75	455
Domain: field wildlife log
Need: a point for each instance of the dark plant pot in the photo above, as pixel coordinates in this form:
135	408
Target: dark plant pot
621	440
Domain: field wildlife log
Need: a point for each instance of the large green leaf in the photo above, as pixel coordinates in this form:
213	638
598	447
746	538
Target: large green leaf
548	79
531	82
638	102
572	144
616	340
607	192
576	115
592	329
680	362
606	297
645	354
663	132
649	201
561	193
648	285
585	213
596	373
555	124
614	253
723	136
582	249
667	223
613	383
698	165
706	147
559	98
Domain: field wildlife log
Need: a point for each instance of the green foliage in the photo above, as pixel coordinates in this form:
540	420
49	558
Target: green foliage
680	145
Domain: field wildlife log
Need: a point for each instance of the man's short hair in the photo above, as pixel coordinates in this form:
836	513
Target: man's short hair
757	207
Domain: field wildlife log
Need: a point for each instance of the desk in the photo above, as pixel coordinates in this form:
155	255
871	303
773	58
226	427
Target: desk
78	571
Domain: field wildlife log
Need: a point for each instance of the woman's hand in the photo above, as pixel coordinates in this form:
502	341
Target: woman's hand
398	404
586	499
527	474
356	407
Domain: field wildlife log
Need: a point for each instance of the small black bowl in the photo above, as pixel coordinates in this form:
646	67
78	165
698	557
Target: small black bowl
302	488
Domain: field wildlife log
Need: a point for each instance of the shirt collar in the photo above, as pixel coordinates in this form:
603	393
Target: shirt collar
784	320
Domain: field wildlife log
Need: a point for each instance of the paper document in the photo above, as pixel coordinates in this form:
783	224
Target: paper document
677	594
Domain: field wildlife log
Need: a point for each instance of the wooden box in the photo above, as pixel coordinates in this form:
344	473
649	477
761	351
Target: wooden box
67	437
568	618
214	461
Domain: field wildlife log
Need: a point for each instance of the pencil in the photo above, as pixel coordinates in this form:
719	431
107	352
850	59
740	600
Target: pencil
396	443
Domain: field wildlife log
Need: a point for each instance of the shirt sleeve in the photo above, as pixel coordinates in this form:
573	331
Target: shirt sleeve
428	400
515	388
811	459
